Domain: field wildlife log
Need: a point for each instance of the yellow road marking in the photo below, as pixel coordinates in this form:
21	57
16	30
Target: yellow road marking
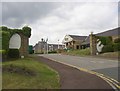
108	79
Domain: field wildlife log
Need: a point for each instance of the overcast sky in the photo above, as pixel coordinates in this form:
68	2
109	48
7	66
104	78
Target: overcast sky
56	19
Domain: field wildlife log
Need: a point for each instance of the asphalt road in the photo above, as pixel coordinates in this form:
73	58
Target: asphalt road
72	78
107	67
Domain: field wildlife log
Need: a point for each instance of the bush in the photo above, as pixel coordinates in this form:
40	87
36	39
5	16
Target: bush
116	46
52	52
117	40
2	51
13	53
3	54
106	40
81	52
39	53
108	48
109	40
5	40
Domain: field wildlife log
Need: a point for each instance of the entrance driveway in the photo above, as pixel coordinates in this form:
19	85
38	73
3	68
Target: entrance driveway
71	78
105	66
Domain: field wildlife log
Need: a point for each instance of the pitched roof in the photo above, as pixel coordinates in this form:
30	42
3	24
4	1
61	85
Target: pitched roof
76	37
112	32
86	41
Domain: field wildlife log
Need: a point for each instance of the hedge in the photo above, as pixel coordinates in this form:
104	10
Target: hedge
13	53
116	46
5	40
106	40
108	48
117	40
52	52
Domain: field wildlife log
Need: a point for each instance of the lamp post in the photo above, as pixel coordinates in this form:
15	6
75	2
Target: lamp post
58	43
47	45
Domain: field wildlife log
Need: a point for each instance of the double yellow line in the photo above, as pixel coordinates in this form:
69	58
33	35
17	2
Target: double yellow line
112	82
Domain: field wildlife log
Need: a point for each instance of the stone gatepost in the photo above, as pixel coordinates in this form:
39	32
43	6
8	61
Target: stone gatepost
24	45
93	49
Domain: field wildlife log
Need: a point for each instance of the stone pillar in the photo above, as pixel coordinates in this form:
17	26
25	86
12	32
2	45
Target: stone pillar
24	45
93	49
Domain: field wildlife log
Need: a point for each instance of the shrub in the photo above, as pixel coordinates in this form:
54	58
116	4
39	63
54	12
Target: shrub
2	51
105	40
117	40
109	40
40	53
52	52
81	52
5	40
3	54
108	48
116	46
13	53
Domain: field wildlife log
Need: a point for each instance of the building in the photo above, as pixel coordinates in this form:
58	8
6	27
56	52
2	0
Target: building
114	33
40	47
82	42
43	47
73	41
55	47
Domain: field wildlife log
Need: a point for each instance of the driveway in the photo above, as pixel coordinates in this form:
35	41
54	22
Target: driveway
72	78
105	66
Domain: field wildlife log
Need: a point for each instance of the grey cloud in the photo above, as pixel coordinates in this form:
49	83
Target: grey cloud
55	19
17	13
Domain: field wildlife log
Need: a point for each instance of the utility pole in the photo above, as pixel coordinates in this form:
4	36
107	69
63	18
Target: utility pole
47	45
58	44
44	46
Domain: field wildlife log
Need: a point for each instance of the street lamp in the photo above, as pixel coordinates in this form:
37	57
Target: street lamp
58	43
47	45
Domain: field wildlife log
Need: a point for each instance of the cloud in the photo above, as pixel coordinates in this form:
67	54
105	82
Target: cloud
54	20
15	14
78	19
60	0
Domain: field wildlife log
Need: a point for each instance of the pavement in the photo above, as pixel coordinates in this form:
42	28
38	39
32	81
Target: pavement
104	66
72	78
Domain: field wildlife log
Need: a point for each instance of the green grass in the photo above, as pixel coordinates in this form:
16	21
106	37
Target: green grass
44	78
82	52
110	54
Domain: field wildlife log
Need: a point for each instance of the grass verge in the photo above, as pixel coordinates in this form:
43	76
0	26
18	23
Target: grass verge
28	74
82	52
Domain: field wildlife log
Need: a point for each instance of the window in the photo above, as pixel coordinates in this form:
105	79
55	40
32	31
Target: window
66	44
66	39
77	47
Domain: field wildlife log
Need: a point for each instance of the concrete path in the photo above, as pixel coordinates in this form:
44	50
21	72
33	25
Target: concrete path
71	78
105	66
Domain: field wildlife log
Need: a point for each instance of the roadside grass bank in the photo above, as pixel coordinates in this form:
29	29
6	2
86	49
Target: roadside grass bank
83	52
114	55
86	52
28	74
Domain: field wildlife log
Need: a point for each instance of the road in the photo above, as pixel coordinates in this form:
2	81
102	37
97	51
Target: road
80	80
105	66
